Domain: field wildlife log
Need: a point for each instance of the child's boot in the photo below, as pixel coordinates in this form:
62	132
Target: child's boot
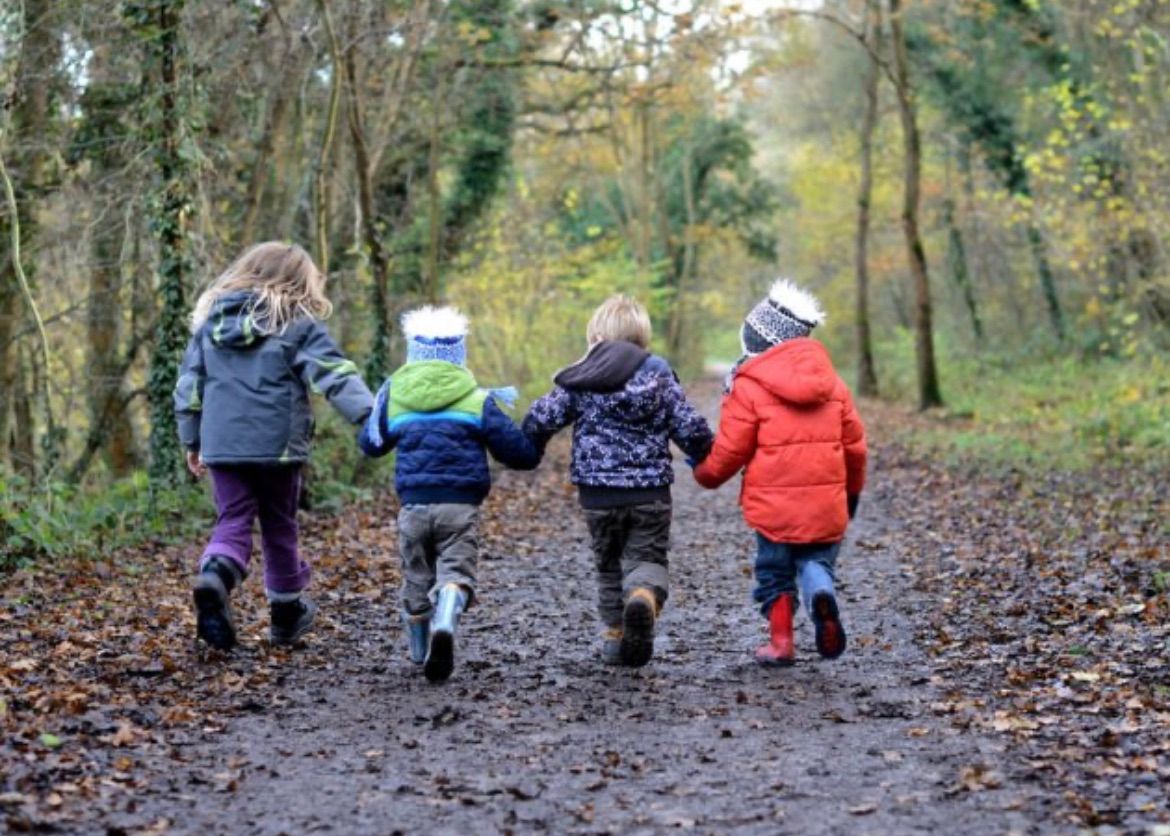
291	619
827	621
440	660
418	631
213	610
638	617
779	651
611	646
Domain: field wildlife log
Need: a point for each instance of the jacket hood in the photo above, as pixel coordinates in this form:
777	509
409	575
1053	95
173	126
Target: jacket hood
607	367
232	323
430	385
797	371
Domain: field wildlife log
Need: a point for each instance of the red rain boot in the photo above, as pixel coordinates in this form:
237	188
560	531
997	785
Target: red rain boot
779	652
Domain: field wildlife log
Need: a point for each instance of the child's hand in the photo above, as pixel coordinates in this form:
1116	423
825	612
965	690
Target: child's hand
195	464
851	503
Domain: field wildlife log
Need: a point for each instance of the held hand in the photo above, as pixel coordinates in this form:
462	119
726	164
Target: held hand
195	464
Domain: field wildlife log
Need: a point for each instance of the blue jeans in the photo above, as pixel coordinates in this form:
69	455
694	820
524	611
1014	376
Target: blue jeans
781	566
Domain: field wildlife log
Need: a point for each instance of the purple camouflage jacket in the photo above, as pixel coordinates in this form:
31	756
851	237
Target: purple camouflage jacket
626	406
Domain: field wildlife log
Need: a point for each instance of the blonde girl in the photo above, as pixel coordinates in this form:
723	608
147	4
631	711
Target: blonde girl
258	347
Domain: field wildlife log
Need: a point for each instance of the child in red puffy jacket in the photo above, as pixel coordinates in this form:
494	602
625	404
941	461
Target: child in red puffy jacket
788	421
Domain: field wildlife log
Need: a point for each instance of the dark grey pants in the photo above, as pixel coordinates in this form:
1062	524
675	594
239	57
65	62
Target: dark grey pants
439	545
630	546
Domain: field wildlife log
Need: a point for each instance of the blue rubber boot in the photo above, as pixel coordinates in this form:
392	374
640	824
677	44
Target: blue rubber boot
440	659
418	631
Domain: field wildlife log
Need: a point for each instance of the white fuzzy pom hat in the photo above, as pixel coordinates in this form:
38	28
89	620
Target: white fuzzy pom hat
435	333
786	313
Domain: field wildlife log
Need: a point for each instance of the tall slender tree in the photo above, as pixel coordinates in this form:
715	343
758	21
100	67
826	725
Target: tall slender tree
929	389
159	24
27	139
867	381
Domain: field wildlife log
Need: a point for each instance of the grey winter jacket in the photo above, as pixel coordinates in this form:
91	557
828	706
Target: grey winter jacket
243	396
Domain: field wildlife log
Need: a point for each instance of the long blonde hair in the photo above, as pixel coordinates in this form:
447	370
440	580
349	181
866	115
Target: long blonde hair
282	277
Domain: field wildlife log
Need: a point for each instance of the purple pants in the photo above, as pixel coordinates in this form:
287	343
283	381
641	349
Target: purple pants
244	492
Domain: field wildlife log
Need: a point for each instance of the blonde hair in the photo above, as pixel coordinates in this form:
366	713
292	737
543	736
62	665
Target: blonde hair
284	280
620	317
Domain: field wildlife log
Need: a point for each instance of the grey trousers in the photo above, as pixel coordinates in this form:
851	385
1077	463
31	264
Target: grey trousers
630	547
439	545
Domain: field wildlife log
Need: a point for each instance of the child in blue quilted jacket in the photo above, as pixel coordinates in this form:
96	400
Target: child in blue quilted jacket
626	406
441	422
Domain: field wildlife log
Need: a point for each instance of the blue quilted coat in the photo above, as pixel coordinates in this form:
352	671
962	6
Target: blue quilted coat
442	425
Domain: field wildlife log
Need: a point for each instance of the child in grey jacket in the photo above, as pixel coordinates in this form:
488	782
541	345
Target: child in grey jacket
257	349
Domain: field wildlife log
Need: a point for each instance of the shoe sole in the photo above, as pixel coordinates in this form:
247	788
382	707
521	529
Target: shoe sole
830	633
299	632
213	619
638	636
764	662
611	657
441	657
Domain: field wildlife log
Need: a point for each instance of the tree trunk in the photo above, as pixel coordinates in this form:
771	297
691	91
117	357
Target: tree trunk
105	133
28	158
957	252
434	203
929	390
323	172
104	328
379	259
365	165
960	274
867	383
283	92
164	48
24	448
684	265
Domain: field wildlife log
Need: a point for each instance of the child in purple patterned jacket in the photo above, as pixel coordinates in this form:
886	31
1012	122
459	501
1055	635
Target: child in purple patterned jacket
626	406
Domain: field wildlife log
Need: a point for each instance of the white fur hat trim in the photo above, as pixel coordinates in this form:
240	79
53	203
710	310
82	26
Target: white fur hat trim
434	322
802	304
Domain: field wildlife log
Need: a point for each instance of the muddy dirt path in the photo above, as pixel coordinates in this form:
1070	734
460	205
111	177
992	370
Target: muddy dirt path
533	733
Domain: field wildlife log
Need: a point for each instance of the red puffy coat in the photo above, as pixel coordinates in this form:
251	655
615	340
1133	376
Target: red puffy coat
790	421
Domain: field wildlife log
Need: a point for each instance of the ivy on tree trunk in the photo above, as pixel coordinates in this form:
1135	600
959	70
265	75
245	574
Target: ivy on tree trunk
159	25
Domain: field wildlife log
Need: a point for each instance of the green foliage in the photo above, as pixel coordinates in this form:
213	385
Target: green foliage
729	192
1051	411
338	473
473	134
529	297
59	520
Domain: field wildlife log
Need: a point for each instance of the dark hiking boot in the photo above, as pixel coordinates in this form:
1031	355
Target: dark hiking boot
291	620
779	651
611	646
637	644
827	621
440	659
213	610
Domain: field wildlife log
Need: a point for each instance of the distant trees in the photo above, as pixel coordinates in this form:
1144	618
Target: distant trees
694	149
